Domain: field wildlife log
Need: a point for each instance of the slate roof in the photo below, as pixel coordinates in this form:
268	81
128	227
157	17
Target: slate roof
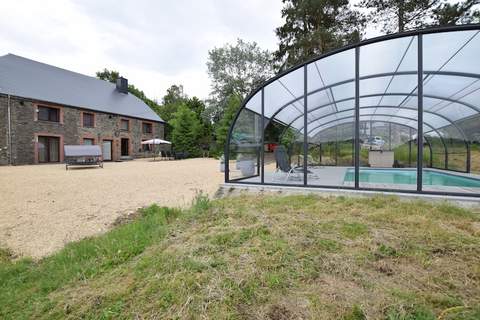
39	81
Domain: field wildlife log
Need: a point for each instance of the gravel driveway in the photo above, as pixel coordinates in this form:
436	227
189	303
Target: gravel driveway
42	207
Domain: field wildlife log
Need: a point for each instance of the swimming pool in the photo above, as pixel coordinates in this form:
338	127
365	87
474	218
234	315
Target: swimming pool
409	176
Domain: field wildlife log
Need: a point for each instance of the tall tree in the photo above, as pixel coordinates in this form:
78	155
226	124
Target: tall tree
402	15
206	129
174	98
235	69
185	132
462	12
174	95
313	27
107	75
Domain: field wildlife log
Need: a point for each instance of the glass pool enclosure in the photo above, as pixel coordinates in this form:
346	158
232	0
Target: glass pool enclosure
394	113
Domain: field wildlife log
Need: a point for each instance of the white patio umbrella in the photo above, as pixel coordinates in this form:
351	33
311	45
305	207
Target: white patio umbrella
155	142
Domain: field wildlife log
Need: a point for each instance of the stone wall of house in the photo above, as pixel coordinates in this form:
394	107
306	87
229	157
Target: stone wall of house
26	128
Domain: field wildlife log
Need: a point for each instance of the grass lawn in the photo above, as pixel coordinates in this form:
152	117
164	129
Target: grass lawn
263	258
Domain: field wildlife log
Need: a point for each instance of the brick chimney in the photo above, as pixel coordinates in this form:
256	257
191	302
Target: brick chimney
122	85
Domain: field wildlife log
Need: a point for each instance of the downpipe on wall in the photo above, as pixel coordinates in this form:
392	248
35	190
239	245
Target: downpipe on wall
9	128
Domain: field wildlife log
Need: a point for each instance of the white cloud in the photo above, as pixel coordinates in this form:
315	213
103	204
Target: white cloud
153	43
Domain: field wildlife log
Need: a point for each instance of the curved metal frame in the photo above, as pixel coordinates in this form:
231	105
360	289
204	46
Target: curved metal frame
420	82
462	133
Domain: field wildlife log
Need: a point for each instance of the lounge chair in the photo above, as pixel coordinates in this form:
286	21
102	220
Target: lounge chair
163	155
83	155
283	164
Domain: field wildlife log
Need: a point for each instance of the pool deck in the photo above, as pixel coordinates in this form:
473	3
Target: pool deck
334	177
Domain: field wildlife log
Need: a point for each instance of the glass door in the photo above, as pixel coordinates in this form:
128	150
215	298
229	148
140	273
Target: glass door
48	149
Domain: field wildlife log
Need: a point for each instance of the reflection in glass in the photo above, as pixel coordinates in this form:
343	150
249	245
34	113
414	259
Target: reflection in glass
245	144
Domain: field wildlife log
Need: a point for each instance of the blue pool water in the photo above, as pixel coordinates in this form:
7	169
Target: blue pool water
408	176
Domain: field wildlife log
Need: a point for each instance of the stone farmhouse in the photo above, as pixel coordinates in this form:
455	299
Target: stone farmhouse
43	108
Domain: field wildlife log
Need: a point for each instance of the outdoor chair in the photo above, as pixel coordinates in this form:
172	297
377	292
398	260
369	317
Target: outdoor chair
180	155
163	155
283	165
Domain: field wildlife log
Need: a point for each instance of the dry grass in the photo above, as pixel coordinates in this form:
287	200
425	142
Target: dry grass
294	257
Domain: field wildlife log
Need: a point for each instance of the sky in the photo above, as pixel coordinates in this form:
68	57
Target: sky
152	43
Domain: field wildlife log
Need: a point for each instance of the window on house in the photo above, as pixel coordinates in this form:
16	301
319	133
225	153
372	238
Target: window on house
124	125
88	120
48	114
88	141
147	127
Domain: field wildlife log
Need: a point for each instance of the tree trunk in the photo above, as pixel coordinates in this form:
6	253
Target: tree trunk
401	18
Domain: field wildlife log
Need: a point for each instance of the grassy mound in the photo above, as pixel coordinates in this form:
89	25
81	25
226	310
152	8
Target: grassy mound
262	258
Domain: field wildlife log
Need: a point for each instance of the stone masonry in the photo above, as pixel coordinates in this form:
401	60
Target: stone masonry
25	128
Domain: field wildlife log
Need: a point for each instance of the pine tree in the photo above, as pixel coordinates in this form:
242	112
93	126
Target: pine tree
185	132
315	27
402	15
464	12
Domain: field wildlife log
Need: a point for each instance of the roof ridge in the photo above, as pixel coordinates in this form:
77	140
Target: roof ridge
33	79
59	68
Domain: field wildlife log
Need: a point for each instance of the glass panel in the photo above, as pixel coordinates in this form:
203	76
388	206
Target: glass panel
344	91
435	144
319	99
472	96
331	127
471	128
283	134
54	149
283	154
458	56
244	147
284	91
42	149
255	103
284	150
388	115
331	120
289	113
389	56
334	69
454	100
